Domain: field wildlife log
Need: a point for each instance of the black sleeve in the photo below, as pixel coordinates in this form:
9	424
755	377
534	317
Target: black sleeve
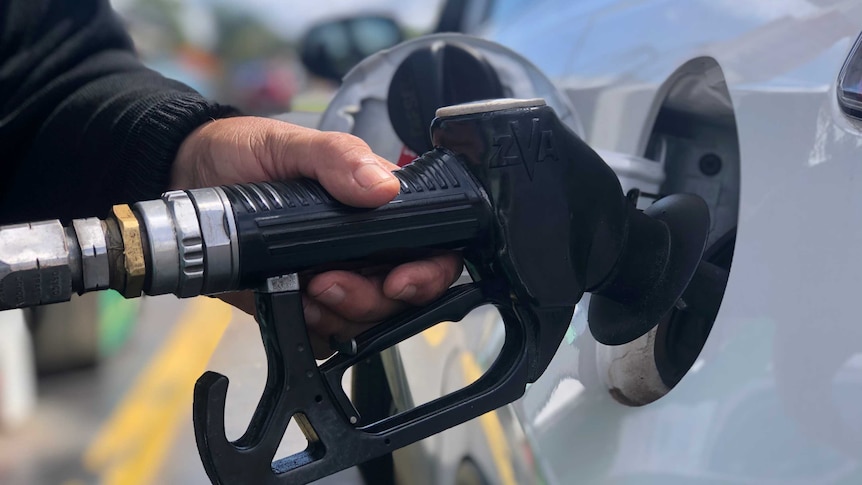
83	124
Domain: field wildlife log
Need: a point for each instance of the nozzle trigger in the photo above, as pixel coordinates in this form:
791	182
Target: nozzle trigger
297	388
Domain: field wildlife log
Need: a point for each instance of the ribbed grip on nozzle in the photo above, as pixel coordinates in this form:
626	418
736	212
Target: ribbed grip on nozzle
285	227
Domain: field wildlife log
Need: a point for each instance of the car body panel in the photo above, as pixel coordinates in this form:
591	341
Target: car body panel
774	395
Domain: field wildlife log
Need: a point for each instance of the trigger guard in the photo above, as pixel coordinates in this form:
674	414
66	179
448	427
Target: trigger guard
453	305
208	405
298	388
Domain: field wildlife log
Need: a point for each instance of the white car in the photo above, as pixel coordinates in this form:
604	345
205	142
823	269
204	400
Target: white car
774	394
745	104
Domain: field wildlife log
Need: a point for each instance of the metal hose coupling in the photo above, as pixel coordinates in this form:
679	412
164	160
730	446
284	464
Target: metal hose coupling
184	243
191	242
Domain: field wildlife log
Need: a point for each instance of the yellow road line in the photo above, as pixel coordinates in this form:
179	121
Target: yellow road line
491	425
131	446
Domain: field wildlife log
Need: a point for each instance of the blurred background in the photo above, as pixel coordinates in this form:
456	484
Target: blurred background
247	53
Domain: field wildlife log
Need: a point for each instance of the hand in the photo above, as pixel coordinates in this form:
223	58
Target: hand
337	303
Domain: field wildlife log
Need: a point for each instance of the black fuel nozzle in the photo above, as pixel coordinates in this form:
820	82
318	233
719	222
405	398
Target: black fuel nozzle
562	225
540	218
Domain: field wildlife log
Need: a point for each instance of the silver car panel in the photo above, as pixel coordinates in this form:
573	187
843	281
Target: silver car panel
774	396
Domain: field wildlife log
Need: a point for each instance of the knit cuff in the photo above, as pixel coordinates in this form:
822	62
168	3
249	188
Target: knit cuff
154	133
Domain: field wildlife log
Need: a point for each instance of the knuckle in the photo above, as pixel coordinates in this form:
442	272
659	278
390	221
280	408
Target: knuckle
435	275
346	146
348	139
449	266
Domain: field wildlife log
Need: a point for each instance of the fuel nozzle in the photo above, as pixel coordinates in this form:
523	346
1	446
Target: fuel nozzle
219	239
526	199
563	224
540	219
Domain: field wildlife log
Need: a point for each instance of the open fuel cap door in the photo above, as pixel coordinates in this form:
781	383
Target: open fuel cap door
390	98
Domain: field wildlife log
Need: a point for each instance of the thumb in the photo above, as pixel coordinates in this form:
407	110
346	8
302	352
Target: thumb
342	163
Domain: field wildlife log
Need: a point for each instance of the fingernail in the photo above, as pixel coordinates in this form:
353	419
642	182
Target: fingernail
312	313
408	292
371	174
331	296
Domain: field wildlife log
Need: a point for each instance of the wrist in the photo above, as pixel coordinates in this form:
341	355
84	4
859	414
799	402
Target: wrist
185	167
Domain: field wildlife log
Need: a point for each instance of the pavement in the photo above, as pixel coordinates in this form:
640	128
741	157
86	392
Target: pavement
128	420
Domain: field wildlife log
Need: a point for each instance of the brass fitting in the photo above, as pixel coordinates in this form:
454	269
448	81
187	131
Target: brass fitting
133	251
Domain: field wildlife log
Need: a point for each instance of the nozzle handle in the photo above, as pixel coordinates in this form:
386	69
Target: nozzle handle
337	437
285	227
